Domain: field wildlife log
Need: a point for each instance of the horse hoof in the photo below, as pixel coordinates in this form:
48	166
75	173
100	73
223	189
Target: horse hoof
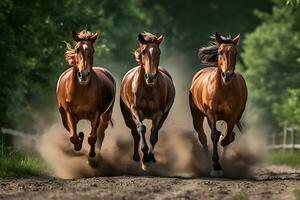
93	163
146	159
216	173
77	147
146	166
151	155
81	136
136	158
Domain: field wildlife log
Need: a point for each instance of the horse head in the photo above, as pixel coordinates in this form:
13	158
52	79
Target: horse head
81	57
227	53
148	55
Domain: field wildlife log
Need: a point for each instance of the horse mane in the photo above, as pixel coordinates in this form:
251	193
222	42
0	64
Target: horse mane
149	38
209	54
70	52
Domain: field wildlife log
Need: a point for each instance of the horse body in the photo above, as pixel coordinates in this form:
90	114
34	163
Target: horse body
227	101
84	101
146	98
147	92
218	93
85	92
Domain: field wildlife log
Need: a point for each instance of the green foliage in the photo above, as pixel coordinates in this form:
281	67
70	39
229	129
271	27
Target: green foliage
271	62
32	49
292	2
289	111
33	32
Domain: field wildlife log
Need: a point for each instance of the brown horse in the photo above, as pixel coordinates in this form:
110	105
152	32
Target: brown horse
85	92
218	93
147	92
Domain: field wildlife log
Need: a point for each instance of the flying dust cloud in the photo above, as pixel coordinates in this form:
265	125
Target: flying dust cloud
178	151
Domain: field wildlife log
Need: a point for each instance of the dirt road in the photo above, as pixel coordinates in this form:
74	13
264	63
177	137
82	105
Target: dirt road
273	182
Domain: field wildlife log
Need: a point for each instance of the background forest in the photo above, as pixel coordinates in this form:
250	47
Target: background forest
32	48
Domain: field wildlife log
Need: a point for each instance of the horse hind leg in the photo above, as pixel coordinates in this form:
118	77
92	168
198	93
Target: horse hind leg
157	123
198	118
229	134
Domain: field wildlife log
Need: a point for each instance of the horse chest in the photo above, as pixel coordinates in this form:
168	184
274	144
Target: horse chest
149	104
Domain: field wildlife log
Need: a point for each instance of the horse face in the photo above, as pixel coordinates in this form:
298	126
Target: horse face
150	55
227	53
84	52
150	62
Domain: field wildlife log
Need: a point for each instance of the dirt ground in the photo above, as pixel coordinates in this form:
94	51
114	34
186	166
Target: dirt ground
272	182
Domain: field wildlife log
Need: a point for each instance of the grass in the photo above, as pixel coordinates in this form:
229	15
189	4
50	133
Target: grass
16	164
284	158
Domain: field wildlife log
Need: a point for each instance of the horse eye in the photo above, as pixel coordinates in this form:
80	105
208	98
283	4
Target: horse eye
76	50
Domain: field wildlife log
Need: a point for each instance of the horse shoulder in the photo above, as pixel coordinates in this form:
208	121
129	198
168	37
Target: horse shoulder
129	86
203	87
64	86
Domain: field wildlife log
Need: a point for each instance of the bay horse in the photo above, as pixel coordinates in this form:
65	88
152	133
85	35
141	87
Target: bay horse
218	92
147	92
85	92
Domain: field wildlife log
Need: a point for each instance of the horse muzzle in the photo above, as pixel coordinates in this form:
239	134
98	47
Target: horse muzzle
83	77
150	78
227	76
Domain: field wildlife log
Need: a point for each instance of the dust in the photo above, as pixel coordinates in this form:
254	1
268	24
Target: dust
178	151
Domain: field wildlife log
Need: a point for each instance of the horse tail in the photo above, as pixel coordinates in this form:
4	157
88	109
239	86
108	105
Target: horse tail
240	127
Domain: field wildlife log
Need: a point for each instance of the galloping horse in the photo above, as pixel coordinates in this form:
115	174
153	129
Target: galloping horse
147	92
85	92
218	93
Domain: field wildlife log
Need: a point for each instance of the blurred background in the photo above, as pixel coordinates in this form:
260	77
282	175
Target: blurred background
32	51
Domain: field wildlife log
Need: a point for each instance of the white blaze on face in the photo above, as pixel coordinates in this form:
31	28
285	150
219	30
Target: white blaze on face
85	47
151	51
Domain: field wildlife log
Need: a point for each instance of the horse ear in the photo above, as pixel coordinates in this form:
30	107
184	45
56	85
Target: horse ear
94	37
141	39
75	36
160	39
218	38
236	40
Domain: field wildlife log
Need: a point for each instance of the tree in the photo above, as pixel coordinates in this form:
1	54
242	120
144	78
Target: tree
271	60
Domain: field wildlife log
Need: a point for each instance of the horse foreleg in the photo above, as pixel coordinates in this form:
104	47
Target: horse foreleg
136	140
93	136
72	123
141	129
215	136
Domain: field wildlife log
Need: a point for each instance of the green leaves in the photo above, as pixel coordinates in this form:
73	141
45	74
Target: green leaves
271	58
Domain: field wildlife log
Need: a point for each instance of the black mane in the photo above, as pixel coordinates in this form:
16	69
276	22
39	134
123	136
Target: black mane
209	54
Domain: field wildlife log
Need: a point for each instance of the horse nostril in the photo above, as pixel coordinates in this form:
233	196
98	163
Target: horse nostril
79	74
146	76
88	74
155	75
223	74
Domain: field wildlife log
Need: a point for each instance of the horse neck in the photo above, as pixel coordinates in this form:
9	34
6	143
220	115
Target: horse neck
75	86
141	74
218	80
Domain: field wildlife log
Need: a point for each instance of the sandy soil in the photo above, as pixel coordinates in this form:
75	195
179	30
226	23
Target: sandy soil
272	182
